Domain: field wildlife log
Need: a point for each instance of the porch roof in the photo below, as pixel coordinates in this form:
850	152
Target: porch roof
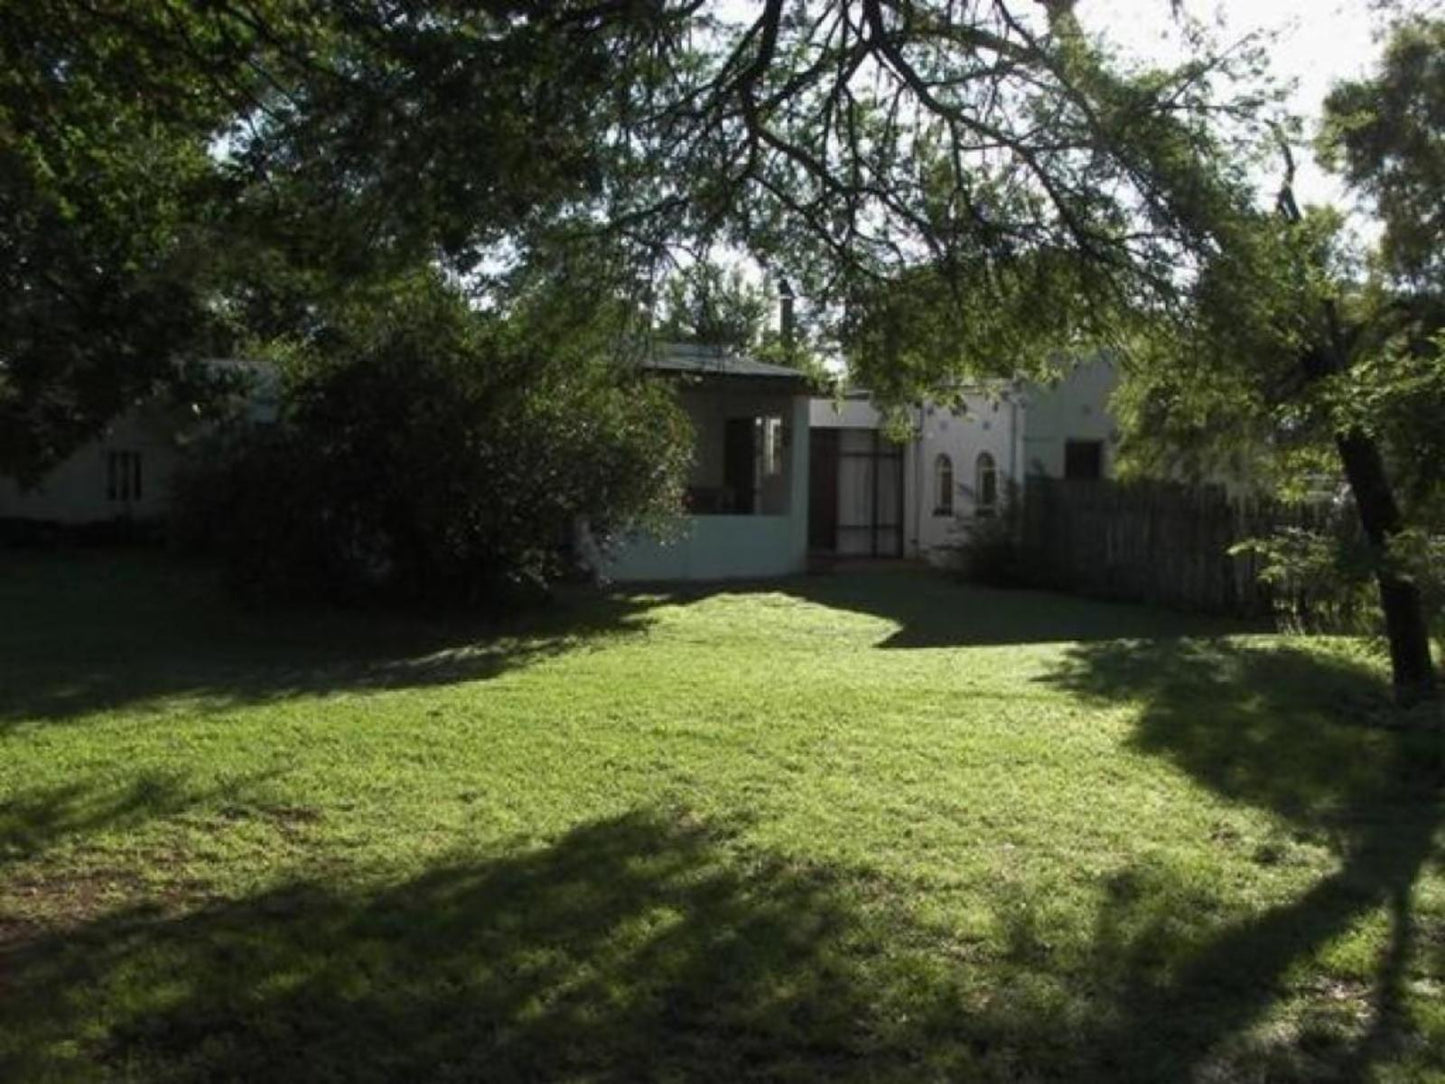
711	361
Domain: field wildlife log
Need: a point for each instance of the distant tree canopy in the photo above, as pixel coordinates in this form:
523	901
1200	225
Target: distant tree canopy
714	305
1384	135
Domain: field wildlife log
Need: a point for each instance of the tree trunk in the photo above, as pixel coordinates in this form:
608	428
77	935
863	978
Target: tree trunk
1400	600
1404	609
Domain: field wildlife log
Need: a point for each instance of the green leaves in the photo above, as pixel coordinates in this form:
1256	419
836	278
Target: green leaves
106	185
714	305
1386	135
220	171
433	454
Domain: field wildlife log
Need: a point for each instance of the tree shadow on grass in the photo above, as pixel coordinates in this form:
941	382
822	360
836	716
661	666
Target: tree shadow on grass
32	820
658	946
93	632
1298	733
645	947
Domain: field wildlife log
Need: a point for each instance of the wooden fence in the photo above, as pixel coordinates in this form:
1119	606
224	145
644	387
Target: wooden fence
1154	542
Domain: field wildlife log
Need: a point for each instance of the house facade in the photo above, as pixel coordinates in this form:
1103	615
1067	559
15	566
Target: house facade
875	496
125	472
777	474
747	495
1068	430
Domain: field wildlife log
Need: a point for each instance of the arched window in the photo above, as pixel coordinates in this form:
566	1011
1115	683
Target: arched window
943	486
985	482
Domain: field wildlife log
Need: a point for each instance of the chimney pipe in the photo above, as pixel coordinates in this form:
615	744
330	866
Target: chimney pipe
785	312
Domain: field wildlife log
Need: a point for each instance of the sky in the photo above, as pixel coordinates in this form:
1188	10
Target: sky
1319	42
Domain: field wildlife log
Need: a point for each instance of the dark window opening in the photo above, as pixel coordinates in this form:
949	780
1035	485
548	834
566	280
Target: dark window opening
985	485
123	476
943	477
1084	459
754	471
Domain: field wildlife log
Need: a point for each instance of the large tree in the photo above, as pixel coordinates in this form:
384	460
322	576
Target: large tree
845	142
1300	353
1386	133
167	164
177	179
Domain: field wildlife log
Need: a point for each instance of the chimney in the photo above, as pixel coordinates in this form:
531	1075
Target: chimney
785	312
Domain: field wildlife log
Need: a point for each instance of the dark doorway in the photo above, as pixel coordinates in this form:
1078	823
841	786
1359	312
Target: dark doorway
856	484
823	490
739	464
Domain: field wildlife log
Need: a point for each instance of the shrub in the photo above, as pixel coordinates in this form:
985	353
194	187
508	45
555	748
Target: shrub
1319	578
992	552
432	454
1322	579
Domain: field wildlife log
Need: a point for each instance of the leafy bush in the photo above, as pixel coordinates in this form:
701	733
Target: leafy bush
1323	578
429	453
1320	579
992	552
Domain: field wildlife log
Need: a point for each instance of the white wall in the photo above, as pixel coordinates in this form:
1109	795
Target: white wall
985	425
851	413
76	491
1077	408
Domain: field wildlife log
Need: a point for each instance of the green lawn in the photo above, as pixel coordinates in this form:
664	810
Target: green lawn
873	826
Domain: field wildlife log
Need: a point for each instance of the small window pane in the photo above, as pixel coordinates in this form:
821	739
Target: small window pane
943	472
123	476
985	485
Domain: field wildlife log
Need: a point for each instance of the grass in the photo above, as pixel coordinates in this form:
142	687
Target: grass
874	826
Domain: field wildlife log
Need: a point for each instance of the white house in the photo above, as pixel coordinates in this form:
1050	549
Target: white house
776	473
872	496
125	472
747	495
1068	429
748	492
